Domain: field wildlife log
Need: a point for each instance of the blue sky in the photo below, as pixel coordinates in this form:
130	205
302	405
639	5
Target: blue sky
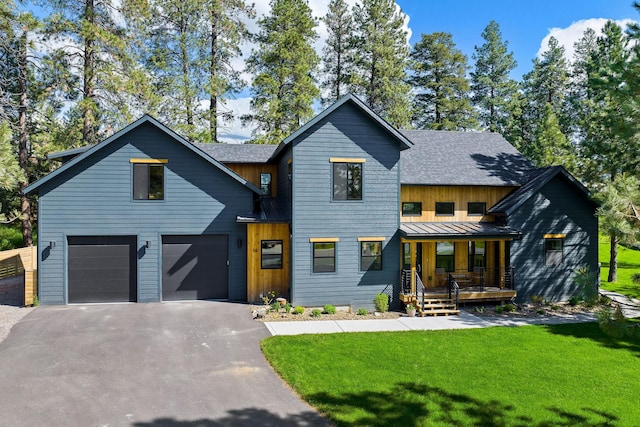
523	24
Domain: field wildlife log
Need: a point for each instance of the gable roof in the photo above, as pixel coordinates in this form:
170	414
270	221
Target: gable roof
238	153
89	151
461	158
537	179
404	142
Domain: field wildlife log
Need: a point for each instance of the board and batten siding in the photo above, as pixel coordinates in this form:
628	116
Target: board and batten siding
345	133
558	208
94	198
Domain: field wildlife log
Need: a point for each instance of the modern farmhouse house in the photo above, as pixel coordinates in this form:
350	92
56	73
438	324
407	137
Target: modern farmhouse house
344	208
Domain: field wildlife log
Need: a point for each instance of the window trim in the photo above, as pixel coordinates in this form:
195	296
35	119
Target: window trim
281	264
416	204
484	208
314	257
453	208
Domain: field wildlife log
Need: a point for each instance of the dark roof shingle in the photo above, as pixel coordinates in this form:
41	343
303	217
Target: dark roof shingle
238	153
461	158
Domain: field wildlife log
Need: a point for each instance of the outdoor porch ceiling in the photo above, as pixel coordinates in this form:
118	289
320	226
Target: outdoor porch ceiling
457	231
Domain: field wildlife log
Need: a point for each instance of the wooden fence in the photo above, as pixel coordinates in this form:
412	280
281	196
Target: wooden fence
23	261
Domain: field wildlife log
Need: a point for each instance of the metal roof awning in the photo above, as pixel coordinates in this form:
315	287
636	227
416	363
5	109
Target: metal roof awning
457	230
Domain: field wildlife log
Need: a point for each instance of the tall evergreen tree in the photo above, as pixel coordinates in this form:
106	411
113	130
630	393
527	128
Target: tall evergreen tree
491	85
338	53
441	87
283	64
551	146
381	60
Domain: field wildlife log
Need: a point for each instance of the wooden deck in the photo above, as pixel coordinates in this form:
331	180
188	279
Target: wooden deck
467	294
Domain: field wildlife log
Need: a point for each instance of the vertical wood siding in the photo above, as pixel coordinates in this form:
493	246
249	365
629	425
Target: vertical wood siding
557	209
95	198
251	172
346	133
261	281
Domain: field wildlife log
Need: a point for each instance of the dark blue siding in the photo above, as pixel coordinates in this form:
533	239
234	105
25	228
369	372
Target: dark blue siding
345	133
558	208
95	198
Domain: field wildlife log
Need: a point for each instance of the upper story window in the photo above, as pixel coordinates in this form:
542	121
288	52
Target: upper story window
411	208
148	179
476	208
553	248
265	183
444	208
347	179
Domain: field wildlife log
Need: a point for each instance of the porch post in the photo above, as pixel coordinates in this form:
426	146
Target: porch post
501	262
412	250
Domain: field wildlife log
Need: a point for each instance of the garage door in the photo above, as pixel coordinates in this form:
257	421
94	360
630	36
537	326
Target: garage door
194	267
102	269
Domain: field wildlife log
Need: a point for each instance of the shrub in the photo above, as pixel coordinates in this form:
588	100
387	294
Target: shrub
298	310
537	299
287	308
316	312
575	300
587	282
555	307
499	309
381	302
480	309
276	306
540	311
362	312
510	308
613	322
329	309
10	238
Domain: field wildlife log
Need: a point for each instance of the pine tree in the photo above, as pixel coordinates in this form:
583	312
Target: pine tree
381	60
283	65
439	79
491	85
338	53
551	146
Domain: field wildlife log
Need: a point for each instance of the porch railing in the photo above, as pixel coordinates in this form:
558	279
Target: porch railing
454	289
484	277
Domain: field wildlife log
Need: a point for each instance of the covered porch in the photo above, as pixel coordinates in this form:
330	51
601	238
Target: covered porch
456	261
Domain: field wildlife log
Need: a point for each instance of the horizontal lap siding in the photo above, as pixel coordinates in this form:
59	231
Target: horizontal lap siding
345	133
95	198
557	209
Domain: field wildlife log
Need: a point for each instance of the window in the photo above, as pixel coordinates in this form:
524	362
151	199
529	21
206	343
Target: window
347	181
411	209
476	208
445	255
324	257
148	181
477	254
444	208
370	256
271	254
265	183
553	251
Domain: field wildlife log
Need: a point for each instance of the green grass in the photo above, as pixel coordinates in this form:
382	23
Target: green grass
628	264
562	375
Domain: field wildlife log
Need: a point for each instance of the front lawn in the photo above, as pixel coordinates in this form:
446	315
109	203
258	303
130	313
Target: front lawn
628	264
562	375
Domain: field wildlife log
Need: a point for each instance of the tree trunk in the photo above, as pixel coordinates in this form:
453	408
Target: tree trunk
88	108
613	260
213	99
23	148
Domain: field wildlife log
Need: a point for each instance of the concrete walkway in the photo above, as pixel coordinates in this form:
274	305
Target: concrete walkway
630	306
463	321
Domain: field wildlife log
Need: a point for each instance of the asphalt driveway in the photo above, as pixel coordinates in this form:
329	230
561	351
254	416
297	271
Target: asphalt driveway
172	364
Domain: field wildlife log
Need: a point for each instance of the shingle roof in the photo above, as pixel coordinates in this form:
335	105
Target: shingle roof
536	180
238	153
452	230
461	158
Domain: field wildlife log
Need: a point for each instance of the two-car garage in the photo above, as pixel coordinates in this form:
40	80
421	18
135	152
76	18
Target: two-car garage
105	268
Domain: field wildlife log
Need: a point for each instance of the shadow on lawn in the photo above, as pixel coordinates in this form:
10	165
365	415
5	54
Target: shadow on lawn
411	404
593	332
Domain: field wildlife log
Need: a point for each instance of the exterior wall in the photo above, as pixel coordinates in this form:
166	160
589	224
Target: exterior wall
557	209
251	172
459	195
345	133
261	281
95	198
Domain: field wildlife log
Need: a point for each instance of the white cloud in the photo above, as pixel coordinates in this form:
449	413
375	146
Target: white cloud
234	132
568	36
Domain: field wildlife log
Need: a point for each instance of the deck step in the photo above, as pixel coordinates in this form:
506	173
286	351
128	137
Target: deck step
437	307
441	312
